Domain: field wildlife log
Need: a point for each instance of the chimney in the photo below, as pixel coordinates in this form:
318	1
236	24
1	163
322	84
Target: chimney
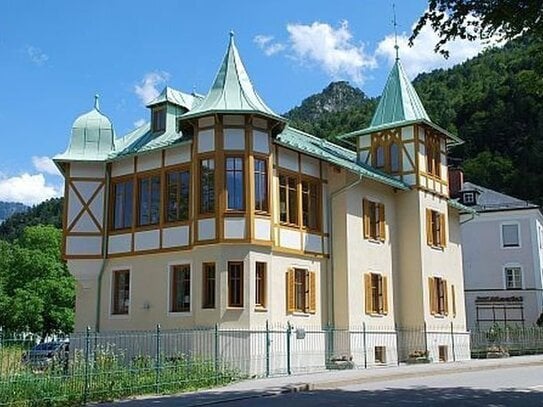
456	181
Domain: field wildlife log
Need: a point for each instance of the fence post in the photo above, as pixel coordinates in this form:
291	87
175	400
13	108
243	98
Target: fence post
452	342
86	378
364	344
216	353
157	360
267	349
289	331
397	344
426	339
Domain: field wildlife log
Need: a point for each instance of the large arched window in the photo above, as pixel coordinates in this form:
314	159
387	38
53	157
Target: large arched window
395	157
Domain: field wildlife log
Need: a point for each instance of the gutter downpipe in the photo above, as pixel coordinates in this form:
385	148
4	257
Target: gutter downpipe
104	249
470	219
331	317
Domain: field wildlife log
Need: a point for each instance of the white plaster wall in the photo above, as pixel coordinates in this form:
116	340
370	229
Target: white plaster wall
85	224
291	239
261	142
83	245
149	161
288	159
312	243
310	166
122	167
407	133
177	155
175	236
234	228
206	229
206	140
147	240
234	139
262	229
120	243
87	169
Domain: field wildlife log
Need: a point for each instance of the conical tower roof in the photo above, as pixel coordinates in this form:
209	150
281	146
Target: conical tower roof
399	100
232	90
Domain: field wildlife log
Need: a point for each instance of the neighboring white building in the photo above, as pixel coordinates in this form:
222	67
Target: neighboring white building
503	258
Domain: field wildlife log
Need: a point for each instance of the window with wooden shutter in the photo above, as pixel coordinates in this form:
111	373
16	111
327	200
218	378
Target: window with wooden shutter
432	295
373	220
291	294
445	310
435	228
367	293
375	292
312	308
453	300
385	295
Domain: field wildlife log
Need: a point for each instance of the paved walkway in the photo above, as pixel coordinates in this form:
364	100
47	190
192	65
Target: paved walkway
326	380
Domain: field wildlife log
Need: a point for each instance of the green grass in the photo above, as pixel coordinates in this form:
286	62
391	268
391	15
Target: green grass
106	377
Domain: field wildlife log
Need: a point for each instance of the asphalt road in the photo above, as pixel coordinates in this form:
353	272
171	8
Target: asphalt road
516	386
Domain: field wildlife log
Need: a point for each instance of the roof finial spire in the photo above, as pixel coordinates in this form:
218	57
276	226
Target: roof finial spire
97	102
231	34
395	23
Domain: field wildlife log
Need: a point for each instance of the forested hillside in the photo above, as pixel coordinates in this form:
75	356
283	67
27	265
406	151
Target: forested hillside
9	208
46	213
493	101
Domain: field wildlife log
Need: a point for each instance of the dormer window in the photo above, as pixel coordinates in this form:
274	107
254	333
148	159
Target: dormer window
468	198
158	120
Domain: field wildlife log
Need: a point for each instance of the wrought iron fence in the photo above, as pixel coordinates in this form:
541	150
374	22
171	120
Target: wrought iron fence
93	366
509	340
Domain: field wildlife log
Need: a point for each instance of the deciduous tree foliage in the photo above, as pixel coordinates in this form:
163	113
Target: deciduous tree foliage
484	19
37	293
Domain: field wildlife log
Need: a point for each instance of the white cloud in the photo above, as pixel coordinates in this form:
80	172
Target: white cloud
45	164
266	44
147	88
28	189
421	56
36	55
332	49
139	123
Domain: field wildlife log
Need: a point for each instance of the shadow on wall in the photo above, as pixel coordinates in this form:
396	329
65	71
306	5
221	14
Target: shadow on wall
424	396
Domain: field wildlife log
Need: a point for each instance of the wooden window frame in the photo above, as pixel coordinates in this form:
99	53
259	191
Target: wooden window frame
385	143
433	154
209	285
376	294
380	354
166	195
265	209
155	113
375	156
148	176
438	296
436	229
243	186
112	203
232	303
513	269
184	269
115	293
201	210
261	271
318	203
374	220
395	142
288	190
308	284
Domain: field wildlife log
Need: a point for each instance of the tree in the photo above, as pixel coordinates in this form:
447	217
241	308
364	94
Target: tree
472	19
37	293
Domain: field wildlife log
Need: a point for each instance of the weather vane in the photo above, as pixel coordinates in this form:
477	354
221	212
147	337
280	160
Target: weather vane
395	23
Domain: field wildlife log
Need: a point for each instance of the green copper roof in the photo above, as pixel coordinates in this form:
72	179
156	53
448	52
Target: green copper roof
453	203
177	98
232	90
92	137
399	101
334	154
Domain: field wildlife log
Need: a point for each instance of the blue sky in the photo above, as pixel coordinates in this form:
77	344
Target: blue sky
55	55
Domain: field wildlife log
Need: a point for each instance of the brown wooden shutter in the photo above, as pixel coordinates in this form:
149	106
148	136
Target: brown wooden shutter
446	297
432	295
382	222
366	218
453	299
312	293
385	294
291	294
442	230
367	293
429	234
